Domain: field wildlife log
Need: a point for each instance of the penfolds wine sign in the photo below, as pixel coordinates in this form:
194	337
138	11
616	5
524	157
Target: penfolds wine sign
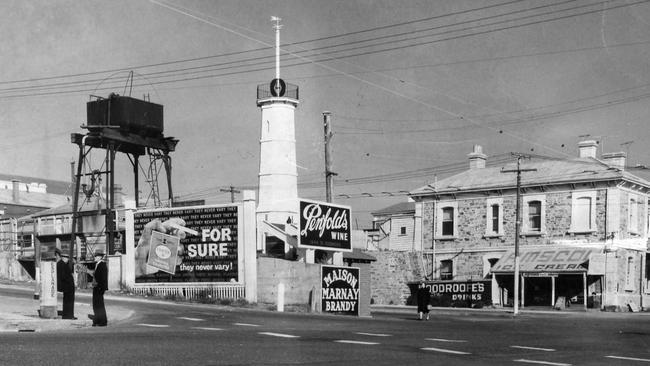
324	226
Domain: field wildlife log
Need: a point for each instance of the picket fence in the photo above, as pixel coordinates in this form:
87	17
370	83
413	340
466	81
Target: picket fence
193	292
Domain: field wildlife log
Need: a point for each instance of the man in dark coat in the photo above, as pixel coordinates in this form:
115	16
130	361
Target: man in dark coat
424	297
65	283
100	285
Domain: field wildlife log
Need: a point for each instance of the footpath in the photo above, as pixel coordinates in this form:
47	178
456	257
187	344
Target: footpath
21	313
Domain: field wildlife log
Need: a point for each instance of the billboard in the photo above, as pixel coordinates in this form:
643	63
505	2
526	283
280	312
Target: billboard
187	244
468	294
340	290
324	226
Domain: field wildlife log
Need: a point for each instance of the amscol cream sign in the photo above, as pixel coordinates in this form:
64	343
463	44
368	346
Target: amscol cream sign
324	226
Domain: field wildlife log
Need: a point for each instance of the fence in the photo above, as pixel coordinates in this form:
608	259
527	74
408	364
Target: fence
193	292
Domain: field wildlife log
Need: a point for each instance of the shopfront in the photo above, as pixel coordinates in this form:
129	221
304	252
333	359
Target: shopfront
548	275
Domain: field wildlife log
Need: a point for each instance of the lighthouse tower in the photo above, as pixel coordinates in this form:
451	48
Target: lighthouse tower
278	176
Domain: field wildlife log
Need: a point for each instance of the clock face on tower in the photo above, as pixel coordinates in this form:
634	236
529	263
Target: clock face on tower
278	87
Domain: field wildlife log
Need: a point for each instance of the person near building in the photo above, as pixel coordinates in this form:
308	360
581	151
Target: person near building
100	285
423	297
65	283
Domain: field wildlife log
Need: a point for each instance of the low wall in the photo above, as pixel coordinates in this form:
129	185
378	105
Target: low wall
298	278
391	273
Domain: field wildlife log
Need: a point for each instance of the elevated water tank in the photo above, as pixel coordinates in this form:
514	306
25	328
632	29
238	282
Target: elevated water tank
128	114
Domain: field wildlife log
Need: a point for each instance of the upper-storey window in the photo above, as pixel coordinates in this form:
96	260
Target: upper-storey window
583	211
534	215
494	217
633	215
447	220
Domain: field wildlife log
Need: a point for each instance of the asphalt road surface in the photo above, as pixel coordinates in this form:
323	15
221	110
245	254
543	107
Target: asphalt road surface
171	334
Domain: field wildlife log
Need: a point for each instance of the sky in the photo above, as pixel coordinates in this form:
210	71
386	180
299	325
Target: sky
411	85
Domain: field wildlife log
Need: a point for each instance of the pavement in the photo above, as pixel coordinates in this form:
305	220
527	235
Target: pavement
20	314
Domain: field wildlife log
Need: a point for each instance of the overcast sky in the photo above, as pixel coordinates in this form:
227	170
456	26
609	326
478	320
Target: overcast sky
411	85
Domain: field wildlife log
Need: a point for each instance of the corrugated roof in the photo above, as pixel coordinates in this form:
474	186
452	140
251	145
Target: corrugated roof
34	199
547	172
399	208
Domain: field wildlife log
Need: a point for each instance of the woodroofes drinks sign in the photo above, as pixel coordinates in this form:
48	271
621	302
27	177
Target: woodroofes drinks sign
324	226
340	290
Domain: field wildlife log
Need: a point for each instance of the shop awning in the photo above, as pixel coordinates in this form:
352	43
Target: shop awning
545	260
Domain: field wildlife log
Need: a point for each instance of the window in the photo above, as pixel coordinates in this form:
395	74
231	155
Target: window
446	269
494	217
534	215
402	230
583	212
629	274
448	221
633	218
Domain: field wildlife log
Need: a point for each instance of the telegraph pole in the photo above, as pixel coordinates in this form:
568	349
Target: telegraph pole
329	174
232	191
517	224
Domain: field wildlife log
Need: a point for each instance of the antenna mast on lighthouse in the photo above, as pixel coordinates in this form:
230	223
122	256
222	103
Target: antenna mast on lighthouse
277	28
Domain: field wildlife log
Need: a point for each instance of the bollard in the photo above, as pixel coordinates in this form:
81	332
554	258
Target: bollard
281	297
48	290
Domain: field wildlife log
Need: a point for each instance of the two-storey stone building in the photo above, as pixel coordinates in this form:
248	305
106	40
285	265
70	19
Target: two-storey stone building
583	231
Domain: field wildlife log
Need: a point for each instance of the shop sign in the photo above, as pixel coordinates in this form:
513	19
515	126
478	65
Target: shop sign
324	226
340	290
457	293
596	264
187	244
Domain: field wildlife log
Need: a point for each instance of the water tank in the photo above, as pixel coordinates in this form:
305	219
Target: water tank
128	114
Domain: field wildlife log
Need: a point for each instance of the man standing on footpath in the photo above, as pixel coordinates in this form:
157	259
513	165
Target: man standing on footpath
100	285
65	283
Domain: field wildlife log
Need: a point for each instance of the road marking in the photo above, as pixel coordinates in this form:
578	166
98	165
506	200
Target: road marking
535	348
154	325
446	340
356	342
190	319
374	334
629	358
281	335
246	325
445	351
206	328
542	362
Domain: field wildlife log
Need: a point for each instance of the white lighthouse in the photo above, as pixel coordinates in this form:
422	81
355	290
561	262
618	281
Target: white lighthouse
278	175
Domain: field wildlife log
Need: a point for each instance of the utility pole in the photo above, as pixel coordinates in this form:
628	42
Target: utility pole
232	191
329	174
517	224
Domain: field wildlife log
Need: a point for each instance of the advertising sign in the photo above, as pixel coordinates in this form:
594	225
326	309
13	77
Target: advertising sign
187	244
468	294
324	226
596	264
340	290
545	260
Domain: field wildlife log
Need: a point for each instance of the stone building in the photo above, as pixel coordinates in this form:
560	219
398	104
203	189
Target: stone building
583	233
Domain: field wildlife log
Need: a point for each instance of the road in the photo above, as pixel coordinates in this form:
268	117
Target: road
172	334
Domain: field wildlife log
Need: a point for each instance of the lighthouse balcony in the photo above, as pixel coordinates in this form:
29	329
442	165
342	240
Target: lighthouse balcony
265	92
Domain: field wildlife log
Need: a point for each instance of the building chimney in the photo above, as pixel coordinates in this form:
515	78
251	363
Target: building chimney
587	149
477	158
615	159
15	186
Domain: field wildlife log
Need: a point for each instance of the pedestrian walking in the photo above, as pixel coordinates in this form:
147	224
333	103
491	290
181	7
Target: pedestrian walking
423	297
65	283
100	285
